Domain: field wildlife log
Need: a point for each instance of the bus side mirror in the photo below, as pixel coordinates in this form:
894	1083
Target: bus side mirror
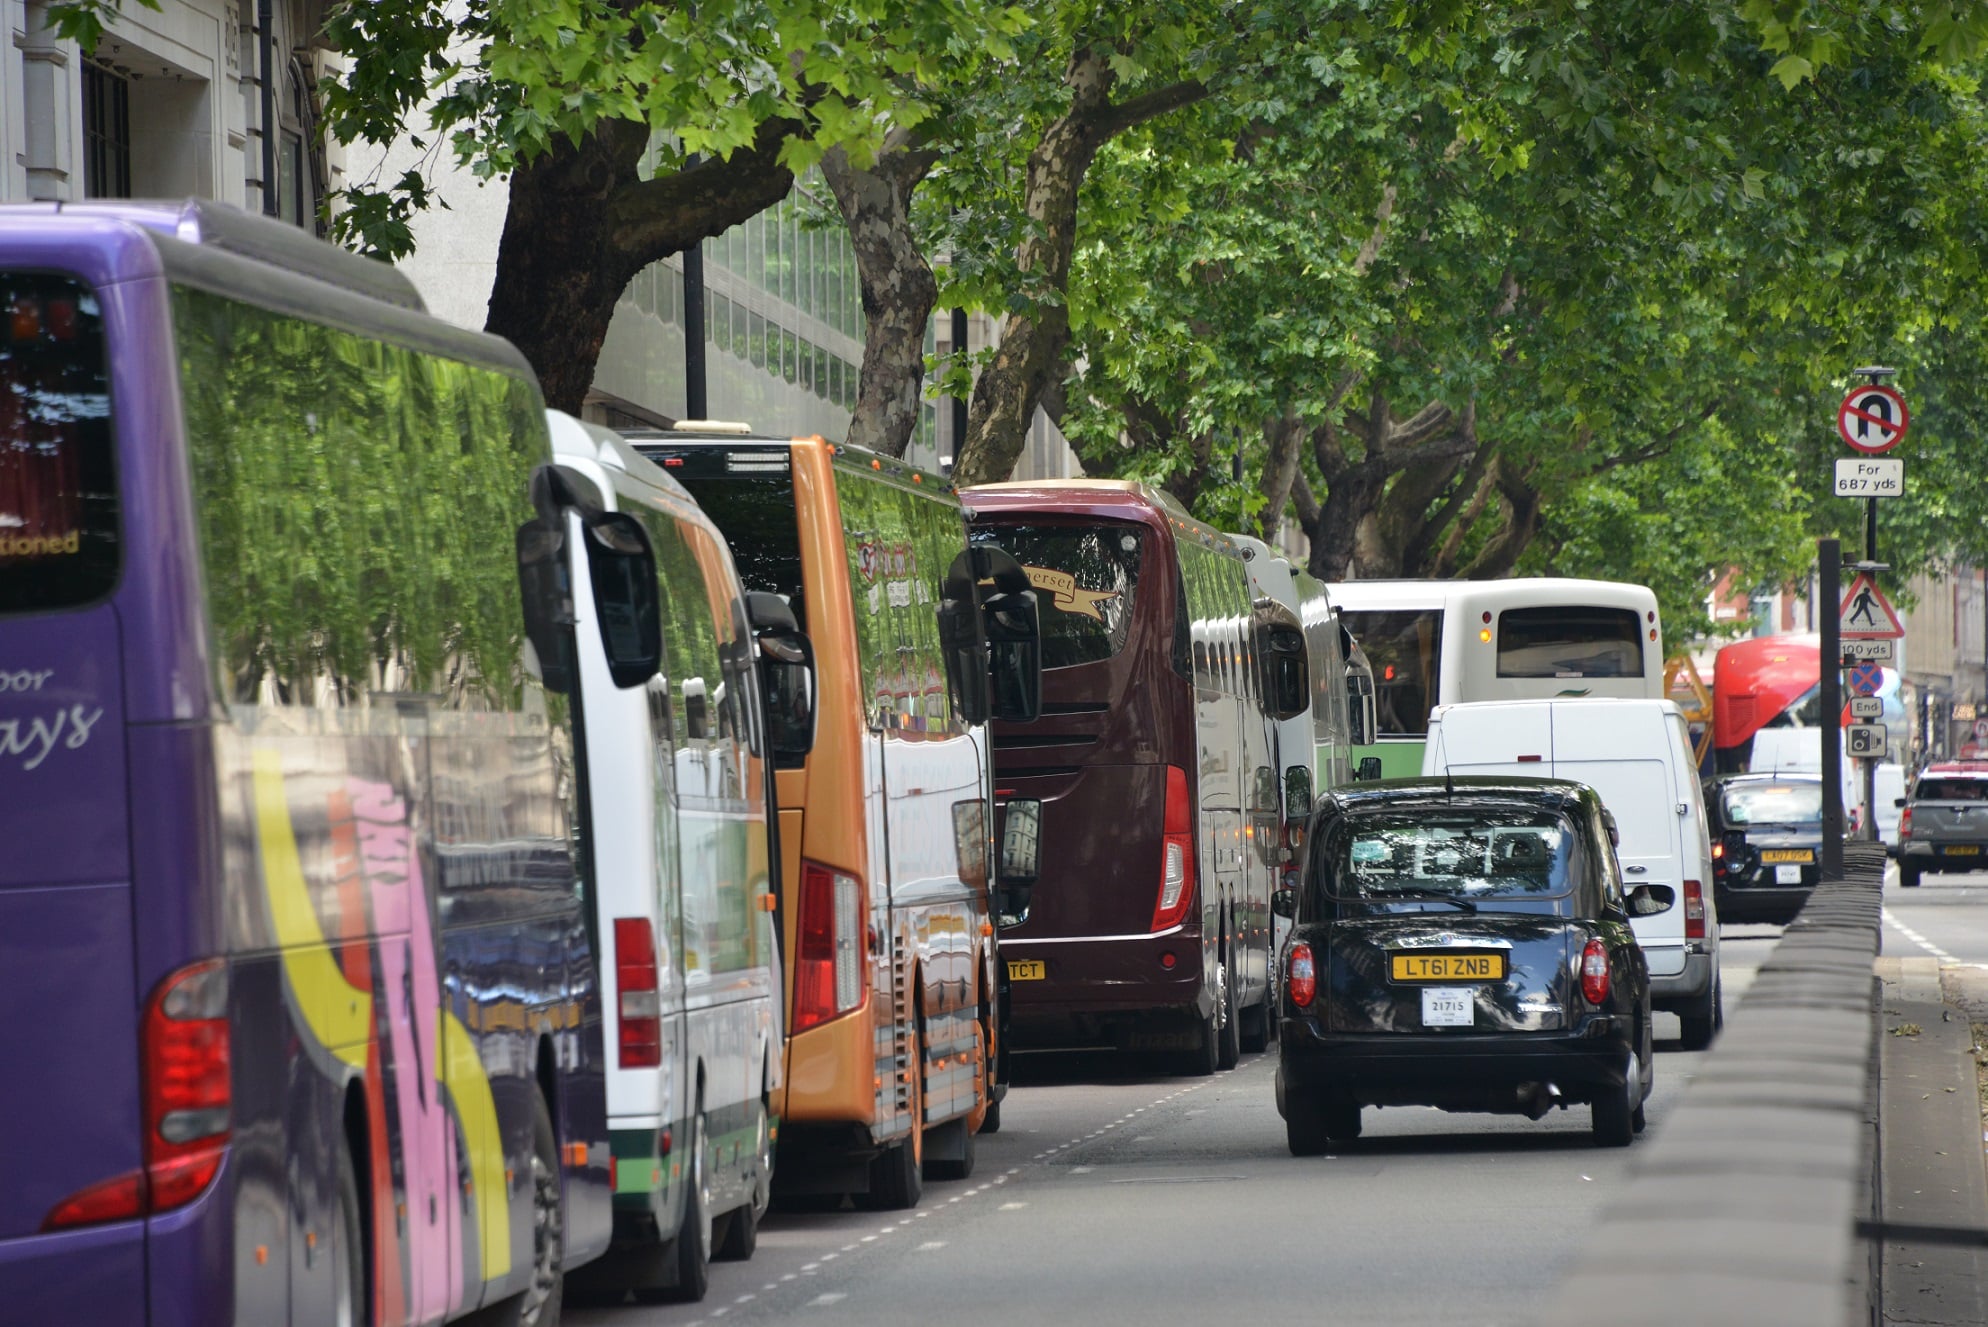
1360	706
1290	673
622	567
1369	769
966	663
1014	655
1020	862
547	603
786	676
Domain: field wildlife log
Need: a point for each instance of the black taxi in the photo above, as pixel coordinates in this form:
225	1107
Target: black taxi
1464	944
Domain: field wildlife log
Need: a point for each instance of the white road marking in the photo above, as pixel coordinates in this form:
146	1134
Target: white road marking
1891	920
823	1301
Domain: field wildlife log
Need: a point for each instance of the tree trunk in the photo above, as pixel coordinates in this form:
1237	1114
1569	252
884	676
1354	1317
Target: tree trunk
898	289
1033	339
581	223
1284	438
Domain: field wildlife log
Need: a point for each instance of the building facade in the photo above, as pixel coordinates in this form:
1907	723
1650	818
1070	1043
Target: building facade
206	98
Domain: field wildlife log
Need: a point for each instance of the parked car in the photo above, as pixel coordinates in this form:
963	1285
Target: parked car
1766	843
1637	755
1943	825
1464	944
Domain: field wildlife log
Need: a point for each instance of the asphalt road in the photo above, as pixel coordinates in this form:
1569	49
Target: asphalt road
1946	918
1116	1196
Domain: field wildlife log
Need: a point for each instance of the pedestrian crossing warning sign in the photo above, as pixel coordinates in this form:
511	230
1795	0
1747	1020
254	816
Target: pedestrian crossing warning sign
1866	614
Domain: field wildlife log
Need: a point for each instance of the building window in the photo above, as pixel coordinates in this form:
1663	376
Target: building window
106	133
290	178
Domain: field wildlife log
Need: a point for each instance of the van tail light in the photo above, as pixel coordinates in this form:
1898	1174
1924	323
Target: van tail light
1301	975
640	1024
1594	972
1694	910
1905	823
188	1103
1176	854
828	965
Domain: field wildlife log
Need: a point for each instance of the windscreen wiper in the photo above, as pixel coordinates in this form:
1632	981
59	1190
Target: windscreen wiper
1430	895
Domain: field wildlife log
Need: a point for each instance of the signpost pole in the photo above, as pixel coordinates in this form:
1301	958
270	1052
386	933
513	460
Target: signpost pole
1867	828
1829	557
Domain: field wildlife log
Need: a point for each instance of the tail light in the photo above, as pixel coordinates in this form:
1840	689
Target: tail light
1694	910
1718	852
1905	823
1294	835
1301	975
189	1103
1176	854
1594	972
641	1009
828	966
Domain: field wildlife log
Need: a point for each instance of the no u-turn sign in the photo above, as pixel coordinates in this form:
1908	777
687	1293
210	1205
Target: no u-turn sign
1873	419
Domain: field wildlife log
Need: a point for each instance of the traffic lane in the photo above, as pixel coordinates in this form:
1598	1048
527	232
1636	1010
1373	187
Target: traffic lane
1119	1195
1946	917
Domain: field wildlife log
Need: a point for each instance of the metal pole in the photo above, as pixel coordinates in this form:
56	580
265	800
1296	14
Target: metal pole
960	401
694	405
1829	559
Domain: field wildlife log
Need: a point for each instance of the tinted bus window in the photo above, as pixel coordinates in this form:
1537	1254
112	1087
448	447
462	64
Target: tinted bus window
58	492
352	542
1404	649
1087	578
1561	641
751	496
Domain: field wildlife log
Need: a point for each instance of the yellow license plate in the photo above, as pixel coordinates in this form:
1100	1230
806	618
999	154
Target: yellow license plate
1025	969
1446	967
1962	850
1788	855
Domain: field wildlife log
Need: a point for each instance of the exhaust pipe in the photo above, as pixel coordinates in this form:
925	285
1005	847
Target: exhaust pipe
1535	1099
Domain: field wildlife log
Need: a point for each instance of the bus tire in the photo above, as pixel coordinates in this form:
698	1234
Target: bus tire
537	1305
951	1168
351	1305
692	1247
1256	1028
1228	1046
741	1236
991	1122
897	1174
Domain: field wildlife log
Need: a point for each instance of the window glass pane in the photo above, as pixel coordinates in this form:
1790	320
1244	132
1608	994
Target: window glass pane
1086	578
756	340
721	321
58	486
755	233
1404	648
1565	640
789	355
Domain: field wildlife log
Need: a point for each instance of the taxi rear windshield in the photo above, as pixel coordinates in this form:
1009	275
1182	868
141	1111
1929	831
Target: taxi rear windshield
58	491
1086	579
1774	804
1464	853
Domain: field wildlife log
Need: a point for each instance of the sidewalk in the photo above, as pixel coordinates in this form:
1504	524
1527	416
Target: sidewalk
1932	1202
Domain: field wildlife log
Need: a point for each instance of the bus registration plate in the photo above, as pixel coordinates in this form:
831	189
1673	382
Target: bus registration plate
1446	966
1025	969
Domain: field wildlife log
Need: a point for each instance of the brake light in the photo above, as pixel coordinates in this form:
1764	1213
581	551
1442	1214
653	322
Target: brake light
189	1103
1905	823
1594	972
828	967
1176	854
641	1022
1694	910
1301	975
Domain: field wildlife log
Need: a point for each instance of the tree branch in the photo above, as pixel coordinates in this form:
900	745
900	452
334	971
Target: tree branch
1115	120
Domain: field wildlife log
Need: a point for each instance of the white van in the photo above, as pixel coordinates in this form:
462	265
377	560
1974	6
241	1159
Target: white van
1637	755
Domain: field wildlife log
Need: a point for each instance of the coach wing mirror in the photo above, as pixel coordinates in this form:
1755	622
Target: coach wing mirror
1284	902
786	676
1014	654
547	601
1368	769
1360	704
964	652
1290	673
622	567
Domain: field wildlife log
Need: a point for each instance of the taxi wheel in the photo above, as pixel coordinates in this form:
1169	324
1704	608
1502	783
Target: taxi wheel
1304	1127
1613	1117
1342	1118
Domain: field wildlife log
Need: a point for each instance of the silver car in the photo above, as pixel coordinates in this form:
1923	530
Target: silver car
1943	825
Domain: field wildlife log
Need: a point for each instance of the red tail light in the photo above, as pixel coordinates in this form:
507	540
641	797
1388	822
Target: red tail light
1905	823
828	964
641	1009
1694	910
1594	972
1301	975
1176	896
189	1103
